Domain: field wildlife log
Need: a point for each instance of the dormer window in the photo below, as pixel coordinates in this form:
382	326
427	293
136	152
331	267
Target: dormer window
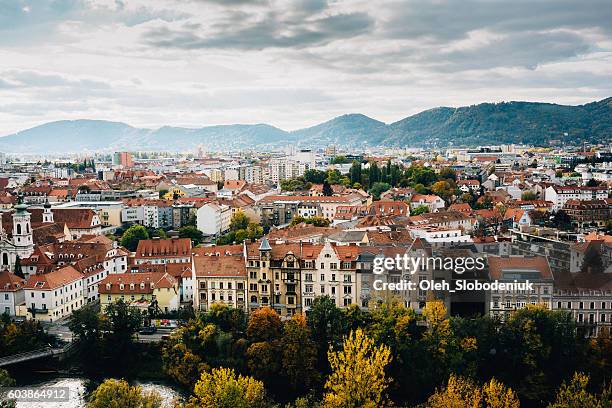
121	286
131	286
142	285
108	286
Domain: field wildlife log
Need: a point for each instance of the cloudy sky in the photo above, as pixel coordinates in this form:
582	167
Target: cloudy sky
292	63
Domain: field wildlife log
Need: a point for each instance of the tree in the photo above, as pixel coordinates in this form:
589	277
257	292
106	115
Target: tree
421	209
18	269
592	183
355	173
448	173
132	235
124	321
528	196
299	354
192	233
327	190
444	189
315	176
575	395
181	364
264	325
254	230
326	324
162	193
119	394
463	393
358	373
239	221
378	188
7	381
87	329
222	388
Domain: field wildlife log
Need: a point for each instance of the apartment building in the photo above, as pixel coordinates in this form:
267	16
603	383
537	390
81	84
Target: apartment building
12	292
213	218
219	277
560	195
54	295
161	251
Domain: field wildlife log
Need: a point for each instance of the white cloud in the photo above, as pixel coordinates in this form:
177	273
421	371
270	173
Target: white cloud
291	63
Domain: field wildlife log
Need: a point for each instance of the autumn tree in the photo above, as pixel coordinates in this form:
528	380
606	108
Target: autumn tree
264	325
464	393
358	373
299	354
222	388
119	394
576	395
182	365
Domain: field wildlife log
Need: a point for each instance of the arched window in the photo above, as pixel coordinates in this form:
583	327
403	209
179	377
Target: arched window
28	227
5	260
18	229
253	299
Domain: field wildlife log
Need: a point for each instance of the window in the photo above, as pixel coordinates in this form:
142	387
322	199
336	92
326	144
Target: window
347	290
308	277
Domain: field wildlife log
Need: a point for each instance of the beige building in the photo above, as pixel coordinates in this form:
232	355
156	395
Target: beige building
219	276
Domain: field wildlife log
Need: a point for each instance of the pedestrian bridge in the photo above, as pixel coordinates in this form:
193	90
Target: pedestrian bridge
34	355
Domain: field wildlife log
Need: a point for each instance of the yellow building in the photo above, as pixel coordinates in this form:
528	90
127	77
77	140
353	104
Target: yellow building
141	290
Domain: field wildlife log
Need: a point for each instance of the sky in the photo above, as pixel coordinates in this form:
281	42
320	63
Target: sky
292	63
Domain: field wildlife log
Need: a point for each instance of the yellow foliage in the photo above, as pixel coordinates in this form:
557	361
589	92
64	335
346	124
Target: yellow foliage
463	393
222	388
358	373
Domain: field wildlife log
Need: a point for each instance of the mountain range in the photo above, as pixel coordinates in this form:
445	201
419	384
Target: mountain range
483	124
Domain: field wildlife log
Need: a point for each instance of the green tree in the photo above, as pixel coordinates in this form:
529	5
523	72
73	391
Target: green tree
528	196
119	394
447	173
192	233
421	209
355	173
327	190
299	354
378	188
222	388
132	235
326	324
240	221
358	373
18	269
315	176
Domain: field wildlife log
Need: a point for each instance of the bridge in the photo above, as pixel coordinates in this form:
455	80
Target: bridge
34	355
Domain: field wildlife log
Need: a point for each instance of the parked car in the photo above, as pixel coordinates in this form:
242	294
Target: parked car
148	330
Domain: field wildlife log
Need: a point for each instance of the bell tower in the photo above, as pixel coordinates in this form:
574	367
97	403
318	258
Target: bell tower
22	231
47	213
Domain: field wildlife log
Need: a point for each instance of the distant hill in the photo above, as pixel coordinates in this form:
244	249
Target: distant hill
486	123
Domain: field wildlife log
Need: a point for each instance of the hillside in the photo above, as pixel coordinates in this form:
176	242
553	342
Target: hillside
486	123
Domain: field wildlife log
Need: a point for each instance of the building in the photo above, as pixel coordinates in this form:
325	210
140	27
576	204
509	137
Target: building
12	293
432	202
123	159
559	195
161	251
213	218
509	269
144	290
587	214
219	277
54	295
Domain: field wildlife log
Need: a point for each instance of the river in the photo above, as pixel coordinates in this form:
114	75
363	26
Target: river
78	387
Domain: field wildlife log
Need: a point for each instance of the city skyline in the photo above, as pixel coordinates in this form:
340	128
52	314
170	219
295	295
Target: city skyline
291	64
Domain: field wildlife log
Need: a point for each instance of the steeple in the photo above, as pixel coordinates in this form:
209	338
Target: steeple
22	230
47	213
265	245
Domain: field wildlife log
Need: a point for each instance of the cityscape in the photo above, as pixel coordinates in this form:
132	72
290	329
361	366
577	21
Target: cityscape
181	231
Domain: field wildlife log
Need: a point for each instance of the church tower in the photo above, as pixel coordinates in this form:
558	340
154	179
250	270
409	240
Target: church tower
22	231
47	213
